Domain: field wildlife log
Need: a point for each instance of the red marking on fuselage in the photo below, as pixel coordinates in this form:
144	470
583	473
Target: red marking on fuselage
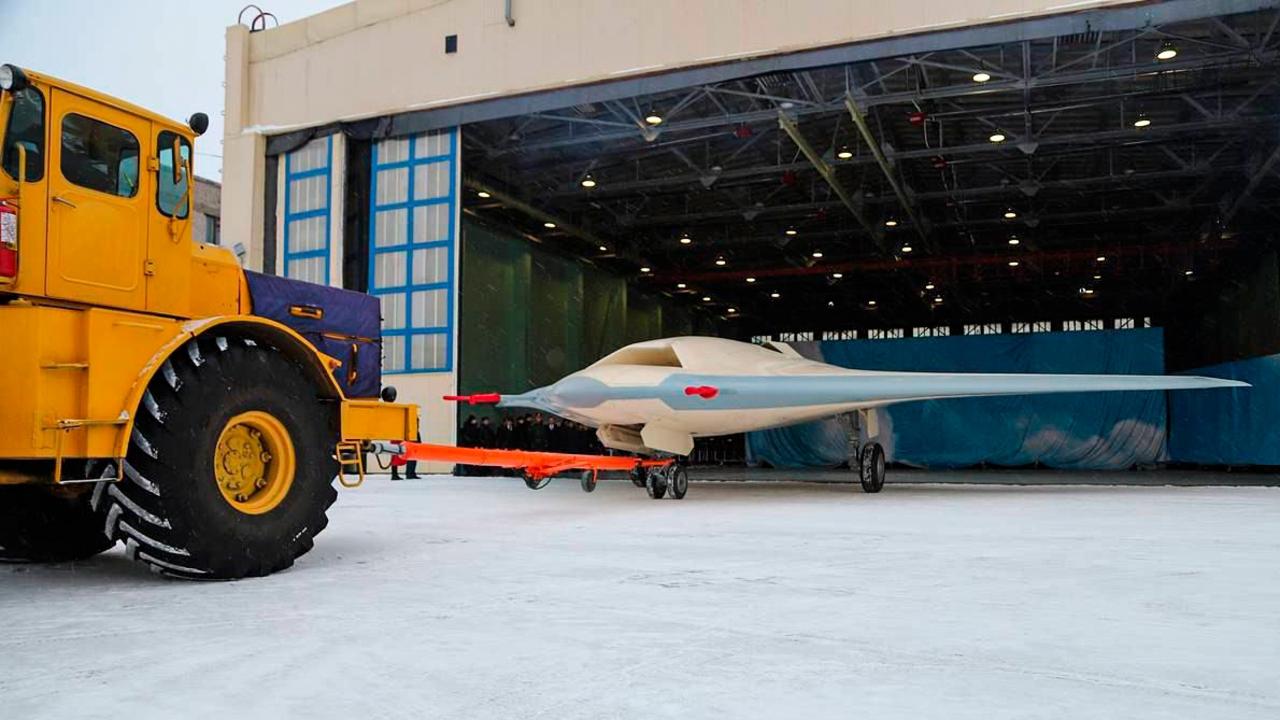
706	392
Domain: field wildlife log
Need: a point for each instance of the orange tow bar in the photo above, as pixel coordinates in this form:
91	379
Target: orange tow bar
536	465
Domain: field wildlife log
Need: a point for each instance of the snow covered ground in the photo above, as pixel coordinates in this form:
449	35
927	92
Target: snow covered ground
475	598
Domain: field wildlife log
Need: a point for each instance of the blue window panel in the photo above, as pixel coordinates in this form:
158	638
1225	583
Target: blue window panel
411	249
308	183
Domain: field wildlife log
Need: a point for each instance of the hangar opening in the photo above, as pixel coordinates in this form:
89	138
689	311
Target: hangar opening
1109	170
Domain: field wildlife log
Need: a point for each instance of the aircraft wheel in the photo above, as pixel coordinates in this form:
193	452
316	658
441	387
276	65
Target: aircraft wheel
656	484
588	480
679	482
638	476
535	483
872	468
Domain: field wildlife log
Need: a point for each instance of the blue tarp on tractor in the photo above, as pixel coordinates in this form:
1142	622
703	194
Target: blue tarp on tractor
1078	431
343	324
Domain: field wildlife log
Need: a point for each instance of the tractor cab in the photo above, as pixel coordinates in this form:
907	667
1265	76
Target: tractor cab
95	200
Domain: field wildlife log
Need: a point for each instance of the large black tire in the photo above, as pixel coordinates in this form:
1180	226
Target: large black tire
41	523
872	468
170	512
656	483
679	484
587	480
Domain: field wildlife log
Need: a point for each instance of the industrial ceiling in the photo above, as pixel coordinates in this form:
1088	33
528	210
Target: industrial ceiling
1095	174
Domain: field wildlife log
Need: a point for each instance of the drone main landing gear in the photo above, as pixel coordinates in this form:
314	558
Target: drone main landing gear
669	480
871	467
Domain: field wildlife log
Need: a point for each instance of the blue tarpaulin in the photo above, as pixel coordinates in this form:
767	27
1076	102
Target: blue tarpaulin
1229	427
1079	431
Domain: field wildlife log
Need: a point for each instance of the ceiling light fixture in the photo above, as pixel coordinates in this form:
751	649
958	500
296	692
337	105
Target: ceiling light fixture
1013	263
549	225
653	119
733	310
1014	240
817	253
928	286
751	279
845	153
706	298
1010	214
681	286
837	276
720	261
1188	272
1142	121
997	137
831	303
483	194
872	303
685	239
937	300
1167	51
588	181
775	295
1102	258
790	231
646	269
907	248
981	76
604	248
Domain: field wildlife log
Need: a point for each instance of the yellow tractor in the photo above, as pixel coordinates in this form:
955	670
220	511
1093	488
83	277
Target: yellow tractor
153	392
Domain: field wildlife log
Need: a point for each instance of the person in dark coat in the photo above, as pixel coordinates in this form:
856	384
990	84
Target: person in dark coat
556	435
468	436
486	437
537	430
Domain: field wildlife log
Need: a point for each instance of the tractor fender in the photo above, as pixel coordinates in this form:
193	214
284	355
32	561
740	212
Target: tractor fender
317	365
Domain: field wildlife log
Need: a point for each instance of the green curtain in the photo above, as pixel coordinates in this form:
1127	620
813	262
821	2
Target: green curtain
528	317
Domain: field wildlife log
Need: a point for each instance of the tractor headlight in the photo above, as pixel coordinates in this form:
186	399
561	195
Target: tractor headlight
12	79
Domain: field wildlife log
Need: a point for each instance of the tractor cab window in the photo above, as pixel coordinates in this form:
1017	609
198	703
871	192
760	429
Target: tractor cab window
99	156
171	197
26	129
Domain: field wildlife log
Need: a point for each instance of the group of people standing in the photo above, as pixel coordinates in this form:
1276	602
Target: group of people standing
530	431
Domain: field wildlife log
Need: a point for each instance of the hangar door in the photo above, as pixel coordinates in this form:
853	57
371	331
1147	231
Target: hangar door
413	249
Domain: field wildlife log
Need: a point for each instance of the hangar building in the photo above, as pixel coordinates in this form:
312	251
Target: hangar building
528	185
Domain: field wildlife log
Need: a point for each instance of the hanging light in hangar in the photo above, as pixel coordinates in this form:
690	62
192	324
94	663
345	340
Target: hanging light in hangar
1167	51
981	76
588	181
685	239
483	195
721	262
845	153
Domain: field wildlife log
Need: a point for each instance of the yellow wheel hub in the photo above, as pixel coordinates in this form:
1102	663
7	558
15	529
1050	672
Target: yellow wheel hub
254	462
